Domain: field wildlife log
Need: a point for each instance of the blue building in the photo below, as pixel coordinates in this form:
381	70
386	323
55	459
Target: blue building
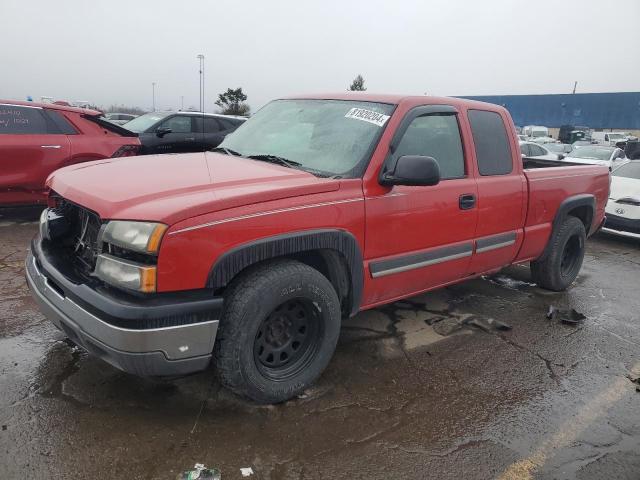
594	110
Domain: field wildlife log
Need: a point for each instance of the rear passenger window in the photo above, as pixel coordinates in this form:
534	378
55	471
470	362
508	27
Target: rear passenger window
58	123
436	136
211	125
22	120
492	143
229	124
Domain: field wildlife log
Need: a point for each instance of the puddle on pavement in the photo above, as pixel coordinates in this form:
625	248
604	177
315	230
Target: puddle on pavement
408	325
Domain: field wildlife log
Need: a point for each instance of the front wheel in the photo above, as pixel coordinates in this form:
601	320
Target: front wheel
563	261
279	330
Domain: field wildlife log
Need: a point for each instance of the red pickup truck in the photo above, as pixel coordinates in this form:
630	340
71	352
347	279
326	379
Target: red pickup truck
38	138
316	208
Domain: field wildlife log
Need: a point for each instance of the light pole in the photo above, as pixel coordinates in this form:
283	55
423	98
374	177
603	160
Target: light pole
201	58
181	102
153	95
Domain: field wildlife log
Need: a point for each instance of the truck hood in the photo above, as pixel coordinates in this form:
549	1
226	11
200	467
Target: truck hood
171	188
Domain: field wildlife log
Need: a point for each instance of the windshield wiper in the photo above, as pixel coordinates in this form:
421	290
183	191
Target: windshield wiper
226	151
275	159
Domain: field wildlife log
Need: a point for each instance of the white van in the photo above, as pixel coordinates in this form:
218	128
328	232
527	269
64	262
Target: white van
608	138
534	131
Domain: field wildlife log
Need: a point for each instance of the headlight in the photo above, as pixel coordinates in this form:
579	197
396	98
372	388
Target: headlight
126	274
143	237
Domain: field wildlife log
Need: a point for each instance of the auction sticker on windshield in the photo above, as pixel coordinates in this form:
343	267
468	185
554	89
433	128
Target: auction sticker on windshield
367	116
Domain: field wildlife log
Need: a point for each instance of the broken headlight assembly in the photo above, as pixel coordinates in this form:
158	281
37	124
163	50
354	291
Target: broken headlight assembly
141	237
129	254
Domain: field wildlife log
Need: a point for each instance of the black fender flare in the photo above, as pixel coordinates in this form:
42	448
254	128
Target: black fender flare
568	204
232	262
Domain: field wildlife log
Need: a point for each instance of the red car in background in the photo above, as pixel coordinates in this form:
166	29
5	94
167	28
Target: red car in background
36	139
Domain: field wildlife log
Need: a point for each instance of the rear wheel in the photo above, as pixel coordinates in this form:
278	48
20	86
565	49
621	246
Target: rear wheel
564	259
278	332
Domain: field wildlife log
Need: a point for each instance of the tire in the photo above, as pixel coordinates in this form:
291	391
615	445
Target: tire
562	264
278	331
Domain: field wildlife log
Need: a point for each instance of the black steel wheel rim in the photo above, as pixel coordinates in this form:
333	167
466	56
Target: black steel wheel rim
571	255
287	340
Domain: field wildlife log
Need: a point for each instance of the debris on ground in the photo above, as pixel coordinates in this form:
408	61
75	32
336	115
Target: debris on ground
571	317
246	471
200	472
448	326
508	282
635	380
488	324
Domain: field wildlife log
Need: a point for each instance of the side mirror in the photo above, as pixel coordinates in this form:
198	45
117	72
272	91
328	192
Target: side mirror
413	170
561	156
162	131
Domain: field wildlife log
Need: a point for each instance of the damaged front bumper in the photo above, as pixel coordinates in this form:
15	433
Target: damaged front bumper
166	335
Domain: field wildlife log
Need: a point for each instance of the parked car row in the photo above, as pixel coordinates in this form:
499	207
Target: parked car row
39	138
587	154
170	132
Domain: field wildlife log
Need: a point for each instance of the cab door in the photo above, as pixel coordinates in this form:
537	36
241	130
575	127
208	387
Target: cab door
420	237
501	191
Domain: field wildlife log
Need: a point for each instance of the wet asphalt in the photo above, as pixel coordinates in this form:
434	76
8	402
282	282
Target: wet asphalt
436	386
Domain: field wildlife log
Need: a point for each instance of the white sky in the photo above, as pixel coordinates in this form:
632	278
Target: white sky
111	51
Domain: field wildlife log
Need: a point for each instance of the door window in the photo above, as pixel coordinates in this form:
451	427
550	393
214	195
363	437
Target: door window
491	141
178	124
526	151
228	124
211	125
436	136
57	123
22	120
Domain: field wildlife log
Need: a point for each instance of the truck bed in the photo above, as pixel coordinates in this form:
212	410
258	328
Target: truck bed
531	163
550	182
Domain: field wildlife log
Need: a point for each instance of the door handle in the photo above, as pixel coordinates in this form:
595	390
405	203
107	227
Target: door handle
467	201
50	146
190	138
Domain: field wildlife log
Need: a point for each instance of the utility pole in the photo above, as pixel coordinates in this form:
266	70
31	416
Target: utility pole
153	95
202	100
574	86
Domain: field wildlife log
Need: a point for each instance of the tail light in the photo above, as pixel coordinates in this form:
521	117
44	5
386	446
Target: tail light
126	151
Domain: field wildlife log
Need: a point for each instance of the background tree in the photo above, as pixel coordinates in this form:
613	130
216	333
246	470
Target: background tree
358	84
232	101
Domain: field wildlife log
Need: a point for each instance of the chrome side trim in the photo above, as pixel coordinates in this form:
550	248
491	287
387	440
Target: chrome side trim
418	260
268	212
495	246
426	263
494	242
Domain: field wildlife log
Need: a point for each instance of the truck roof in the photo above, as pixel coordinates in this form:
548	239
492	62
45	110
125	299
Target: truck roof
51	106
396	99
